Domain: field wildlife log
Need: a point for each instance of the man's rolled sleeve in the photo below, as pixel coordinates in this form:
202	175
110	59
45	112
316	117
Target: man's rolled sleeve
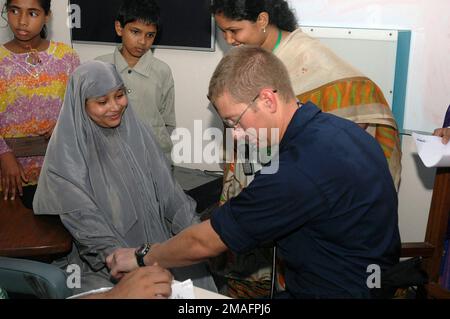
231	233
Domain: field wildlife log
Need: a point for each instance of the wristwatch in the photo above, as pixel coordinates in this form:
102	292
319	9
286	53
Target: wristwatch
140	254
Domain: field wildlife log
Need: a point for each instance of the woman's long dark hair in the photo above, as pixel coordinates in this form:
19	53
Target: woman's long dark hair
45	5
280	14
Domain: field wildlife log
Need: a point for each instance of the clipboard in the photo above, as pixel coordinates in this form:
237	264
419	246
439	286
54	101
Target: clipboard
28	146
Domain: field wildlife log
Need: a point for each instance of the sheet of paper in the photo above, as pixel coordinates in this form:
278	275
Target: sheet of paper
431	150
182	290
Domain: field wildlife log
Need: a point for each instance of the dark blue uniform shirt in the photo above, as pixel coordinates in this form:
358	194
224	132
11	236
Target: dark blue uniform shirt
331	208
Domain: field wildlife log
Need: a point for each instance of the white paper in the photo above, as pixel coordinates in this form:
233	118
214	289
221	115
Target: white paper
431	150
182	290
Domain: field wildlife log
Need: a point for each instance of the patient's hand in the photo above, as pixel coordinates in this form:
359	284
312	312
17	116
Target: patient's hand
121	261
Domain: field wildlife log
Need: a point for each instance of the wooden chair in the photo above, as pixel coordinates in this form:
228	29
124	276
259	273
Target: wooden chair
432	249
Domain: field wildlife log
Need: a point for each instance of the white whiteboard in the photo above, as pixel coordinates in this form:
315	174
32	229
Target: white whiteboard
373	52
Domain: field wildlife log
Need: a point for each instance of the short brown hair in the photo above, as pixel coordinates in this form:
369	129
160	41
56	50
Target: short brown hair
245	71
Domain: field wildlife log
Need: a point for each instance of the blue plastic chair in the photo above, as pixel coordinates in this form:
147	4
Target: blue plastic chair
32	278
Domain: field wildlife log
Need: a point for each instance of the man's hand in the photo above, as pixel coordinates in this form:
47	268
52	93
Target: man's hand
444	133
151	282
12	175
121	261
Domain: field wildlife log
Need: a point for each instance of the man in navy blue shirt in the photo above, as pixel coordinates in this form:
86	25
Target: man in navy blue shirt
330	207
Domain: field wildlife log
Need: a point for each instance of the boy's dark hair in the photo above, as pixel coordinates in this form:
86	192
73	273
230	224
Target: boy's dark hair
45	5
146	11
281	15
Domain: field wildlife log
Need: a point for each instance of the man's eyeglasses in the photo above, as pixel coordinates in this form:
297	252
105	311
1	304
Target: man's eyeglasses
235	123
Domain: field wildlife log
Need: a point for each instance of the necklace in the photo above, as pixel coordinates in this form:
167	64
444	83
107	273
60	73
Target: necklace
280	36
33	58
31	62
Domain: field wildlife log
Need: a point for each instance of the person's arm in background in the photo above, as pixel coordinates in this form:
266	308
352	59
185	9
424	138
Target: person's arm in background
151	282
444	133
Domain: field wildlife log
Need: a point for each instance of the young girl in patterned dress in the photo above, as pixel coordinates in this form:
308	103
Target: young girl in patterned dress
33	77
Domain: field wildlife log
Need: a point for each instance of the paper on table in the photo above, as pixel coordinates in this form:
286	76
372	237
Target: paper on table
182	290
187	290
431	150
201	293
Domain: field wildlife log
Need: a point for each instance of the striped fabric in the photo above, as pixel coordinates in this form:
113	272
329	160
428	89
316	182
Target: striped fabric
343	93
365	97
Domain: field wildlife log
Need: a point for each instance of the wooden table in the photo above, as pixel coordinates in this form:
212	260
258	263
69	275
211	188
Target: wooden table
25	235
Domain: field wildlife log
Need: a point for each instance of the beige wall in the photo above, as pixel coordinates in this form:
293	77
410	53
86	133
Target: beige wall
415	193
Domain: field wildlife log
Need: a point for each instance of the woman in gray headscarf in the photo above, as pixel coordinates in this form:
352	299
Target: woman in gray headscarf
108	180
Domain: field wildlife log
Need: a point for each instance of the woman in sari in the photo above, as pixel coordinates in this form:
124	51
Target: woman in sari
317	75
108	180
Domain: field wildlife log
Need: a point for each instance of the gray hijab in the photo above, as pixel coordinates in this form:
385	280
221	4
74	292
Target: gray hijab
112	187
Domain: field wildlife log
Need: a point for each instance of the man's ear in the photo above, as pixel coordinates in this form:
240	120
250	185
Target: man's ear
269	99
118	27
263	20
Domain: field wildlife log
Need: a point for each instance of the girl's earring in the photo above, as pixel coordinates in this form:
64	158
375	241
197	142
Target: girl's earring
264	30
